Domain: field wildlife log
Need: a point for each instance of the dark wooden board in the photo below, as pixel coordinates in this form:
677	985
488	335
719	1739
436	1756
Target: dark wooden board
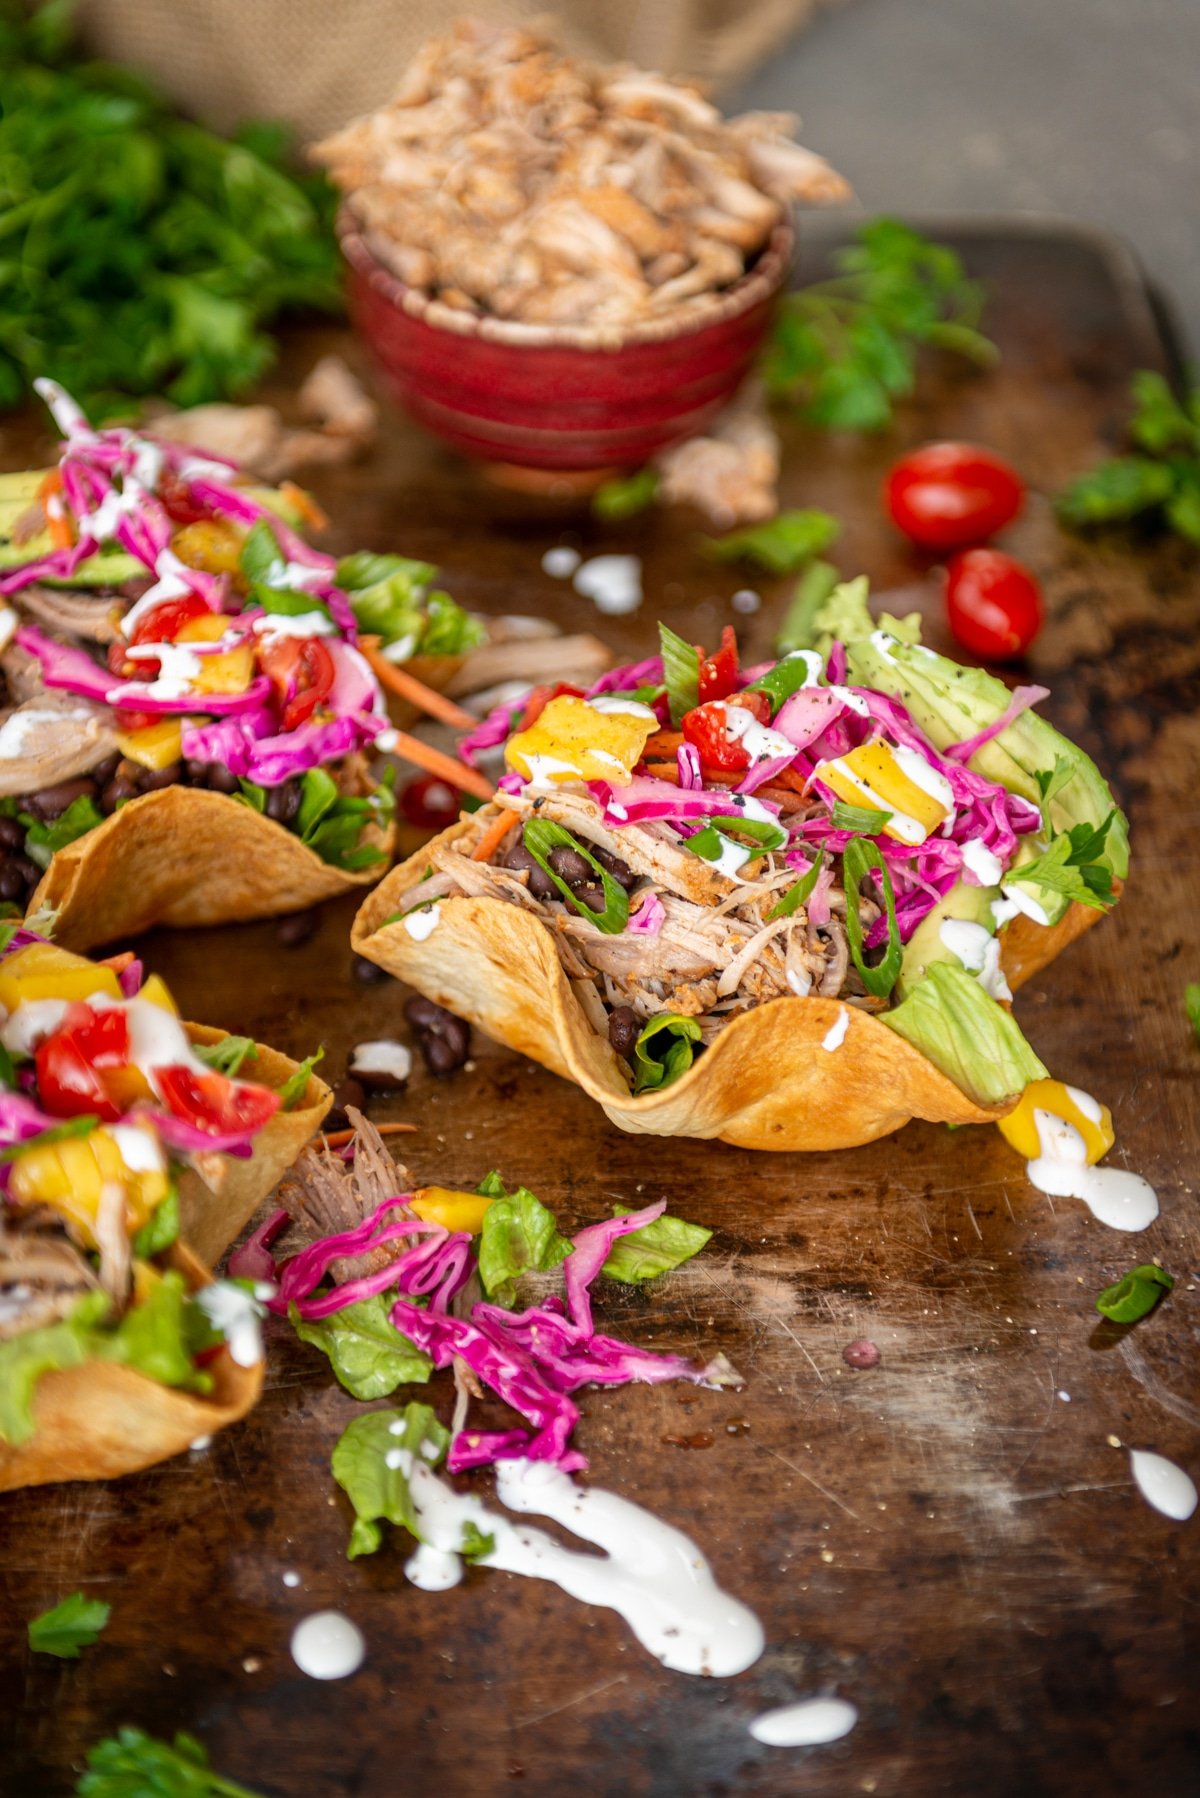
948	1541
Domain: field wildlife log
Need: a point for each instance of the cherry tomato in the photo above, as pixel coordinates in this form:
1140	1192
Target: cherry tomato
719	673
215	1104
163	623
302	673
430	802
994	604
129	721
704	728
172	491
538	698
949	495
75	1066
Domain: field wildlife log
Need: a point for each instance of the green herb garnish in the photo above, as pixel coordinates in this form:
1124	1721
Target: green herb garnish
797	895
781	544
541	835
132	1764
228	1055
475	1543
1162	483
860	859
296	1085
1073	866
1191	1004
844	350
626	496
74	1624
1136	1295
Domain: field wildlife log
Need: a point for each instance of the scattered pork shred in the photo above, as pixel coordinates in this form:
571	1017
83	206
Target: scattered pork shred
732	472
510	180
344	420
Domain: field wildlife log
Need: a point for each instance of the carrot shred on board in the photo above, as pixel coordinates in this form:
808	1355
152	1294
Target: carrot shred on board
337	1139
407	686
493	836
455	774
305	504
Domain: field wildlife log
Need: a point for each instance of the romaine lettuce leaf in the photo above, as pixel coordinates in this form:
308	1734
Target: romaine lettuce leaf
968	1035
655	1249
519	1236
24	1359
367	1353
367	1467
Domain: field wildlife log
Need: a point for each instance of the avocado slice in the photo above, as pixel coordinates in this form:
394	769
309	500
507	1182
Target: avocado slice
971	904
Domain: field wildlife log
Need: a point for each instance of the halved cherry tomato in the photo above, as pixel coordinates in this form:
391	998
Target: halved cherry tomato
719	672
538	698
949	495
172	491
994	604
302	673
213	1103
163	623
430	802
76	1065
130	721
704	729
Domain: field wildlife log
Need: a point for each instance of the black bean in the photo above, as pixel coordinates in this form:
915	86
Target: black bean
612	864
570	866
198	773
283	802
12	881
347	1092
28	870
521	862
368	973
624	1026
12	834
119	787
592	897
52	802
443	1039
443	1054
423	1014
224	780
154	779
291	932
103	772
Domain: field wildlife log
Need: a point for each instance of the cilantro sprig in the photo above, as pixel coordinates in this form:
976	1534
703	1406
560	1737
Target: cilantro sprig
1160	481
844	350
74	1624
132	1764
781	545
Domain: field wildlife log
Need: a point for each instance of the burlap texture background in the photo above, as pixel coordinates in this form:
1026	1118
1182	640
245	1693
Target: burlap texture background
317	63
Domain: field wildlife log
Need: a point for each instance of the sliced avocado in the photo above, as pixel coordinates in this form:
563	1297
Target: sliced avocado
925	946
968	1035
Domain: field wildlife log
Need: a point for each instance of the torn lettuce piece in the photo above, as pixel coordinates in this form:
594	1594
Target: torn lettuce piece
968	1035
369	1355
371	1462
519	1236
655	1249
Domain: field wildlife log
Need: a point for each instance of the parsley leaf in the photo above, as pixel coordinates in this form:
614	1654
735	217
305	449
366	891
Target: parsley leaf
781	544
1135	1295
74	1624
626	496
132	1764
1072	866
1162	483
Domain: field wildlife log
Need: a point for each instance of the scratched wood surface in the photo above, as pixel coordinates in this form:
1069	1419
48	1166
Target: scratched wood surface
948	1540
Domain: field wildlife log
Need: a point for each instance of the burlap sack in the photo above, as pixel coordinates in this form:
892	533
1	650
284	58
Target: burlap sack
318	63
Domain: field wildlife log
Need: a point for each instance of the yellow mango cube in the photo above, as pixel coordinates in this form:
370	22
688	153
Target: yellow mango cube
1076	1108
157	746
210	627
44	971
228	673
154	990
211	544
452	1210
69	1176
573	740
880	778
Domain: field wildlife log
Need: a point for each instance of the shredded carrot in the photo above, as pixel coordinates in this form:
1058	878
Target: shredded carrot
50	483
119	962
407	686
337	1139
664	771
304	503
493	836
455	774
663	742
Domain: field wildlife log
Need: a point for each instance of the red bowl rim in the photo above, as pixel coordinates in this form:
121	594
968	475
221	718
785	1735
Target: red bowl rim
755	286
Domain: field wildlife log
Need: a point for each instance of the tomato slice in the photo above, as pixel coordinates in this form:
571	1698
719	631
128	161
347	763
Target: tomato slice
993	603
430	802
172	490
950	495
301	671
163	622
72	1065
704	728
214	1103
539	698
719	672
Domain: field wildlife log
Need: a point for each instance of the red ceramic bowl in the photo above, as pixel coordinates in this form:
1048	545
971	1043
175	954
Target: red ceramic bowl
553	397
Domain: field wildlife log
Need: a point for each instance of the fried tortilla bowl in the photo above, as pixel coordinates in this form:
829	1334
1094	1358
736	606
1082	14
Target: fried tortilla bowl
220	1196
100	1420
765	1082
186	856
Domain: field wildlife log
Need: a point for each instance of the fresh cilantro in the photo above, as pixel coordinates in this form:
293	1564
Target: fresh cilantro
655	1249
42	840
1162	482
475	1544
142	254
626	496
369	1355
260	555
665	1048
799	628
844	350
519	1236
797	895
541	836
863	818
228	1055
1135	1295
74	1624
681	673
132	1764
161	1230
862	858
1191	1003
1073	866
781	544
296	1085
45	1139
369	1465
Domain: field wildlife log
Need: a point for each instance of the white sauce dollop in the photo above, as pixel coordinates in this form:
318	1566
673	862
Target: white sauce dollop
17	730
238	1315
760	743
1122	1200
806	1724
390	1059
614	583
978	951
328	1646
422	922
561	562
979	862
1163	1485
621	702
651	1574
835	1036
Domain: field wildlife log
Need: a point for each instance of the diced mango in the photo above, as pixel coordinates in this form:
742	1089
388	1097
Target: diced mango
154	990
44	971
452	1210
573	741
157	746
1020	1128
873	776
228	673
211	544
209	628
69	1176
